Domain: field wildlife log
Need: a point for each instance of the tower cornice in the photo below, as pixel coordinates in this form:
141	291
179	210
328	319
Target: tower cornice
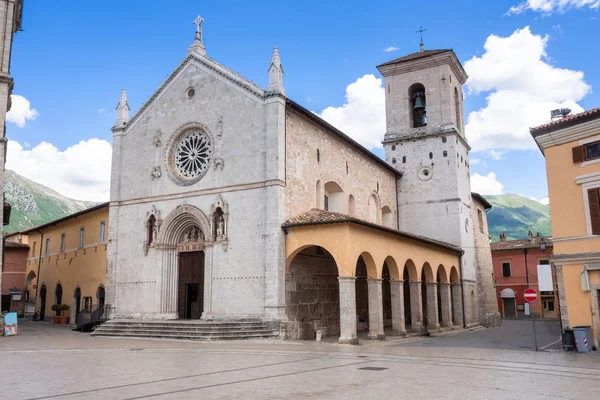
428	60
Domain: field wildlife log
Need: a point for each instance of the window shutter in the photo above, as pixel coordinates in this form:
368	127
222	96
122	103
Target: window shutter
578	154
594	200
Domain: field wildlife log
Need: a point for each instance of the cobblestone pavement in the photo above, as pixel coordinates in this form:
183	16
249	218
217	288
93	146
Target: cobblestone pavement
51	362
511	335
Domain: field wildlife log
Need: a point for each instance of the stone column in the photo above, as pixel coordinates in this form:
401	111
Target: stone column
347	310
433	323
446	300
416	307
375	310
457	303
397	292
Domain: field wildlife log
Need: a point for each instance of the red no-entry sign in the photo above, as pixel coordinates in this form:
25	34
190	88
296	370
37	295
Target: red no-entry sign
530	295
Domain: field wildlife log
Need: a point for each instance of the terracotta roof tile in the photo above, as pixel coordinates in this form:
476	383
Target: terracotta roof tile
521	244
415	56
568	120
15	245
317	216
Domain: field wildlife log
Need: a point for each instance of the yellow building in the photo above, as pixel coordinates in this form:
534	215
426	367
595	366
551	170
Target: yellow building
571	146
67	262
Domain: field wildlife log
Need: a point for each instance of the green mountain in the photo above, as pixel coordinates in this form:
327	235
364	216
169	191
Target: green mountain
516	215
34	204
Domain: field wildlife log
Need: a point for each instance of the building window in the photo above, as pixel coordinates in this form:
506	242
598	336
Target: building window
506	269
394	160
393	147
326	203
403	159
544	262
81	232
430	155
480	219
444	139
47	250
594	200
63	240
102	231
445	153
33	253
318	156
586	152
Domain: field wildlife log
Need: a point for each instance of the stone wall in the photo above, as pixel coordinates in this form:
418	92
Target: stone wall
358	175
486	290
312	296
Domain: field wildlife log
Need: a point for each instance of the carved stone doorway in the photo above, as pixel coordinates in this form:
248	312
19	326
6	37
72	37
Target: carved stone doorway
190	292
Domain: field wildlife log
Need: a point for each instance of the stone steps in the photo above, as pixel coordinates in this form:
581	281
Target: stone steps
189	330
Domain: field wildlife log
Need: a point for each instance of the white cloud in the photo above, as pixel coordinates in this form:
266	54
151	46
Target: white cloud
81	172
523	87
548	7
544	200
362	117
20	111
101	111
496	154
486	184
391	48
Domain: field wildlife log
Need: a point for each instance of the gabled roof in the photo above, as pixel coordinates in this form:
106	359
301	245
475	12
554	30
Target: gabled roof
564	122
521	244
321	217
414	56
15	245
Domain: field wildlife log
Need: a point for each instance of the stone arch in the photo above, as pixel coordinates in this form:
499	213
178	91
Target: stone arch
181	219
507	293
293	254
334	198
457	112
427	273
454	278
441	275
76	303
101	295
410	272
393	268
387	217
371	267
374	208
351	205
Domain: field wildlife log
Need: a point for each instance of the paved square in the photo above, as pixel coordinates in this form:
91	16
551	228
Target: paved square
51	362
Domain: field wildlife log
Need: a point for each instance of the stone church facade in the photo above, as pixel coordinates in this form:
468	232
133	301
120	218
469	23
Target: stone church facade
231	201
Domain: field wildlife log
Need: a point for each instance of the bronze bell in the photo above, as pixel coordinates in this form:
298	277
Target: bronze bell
419	103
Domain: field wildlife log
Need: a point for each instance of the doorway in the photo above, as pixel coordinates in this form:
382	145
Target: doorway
548	307
190	294
43	303
77	301
509	308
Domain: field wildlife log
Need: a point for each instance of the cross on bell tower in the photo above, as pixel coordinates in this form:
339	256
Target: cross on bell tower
421	46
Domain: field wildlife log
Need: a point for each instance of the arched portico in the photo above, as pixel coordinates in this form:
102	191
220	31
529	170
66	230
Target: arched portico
184	247
381	258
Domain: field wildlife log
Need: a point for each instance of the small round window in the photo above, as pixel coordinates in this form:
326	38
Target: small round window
425	173
191	93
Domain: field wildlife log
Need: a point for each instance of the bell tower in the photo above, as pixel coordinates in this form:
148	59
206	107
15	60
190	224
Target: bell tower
425	140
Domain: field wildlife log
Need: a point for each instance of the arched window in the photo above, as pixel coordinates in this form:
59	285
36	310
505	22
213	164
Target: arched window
373	208
387	217
457	110
418	105
334	199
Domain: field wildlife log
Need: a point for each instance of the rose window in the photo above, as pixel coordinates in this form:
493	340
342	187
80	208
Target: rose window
189	156
192	155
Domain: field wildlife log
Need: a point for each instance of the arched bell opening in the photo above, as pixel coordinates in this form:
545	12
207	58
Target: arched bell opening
418	105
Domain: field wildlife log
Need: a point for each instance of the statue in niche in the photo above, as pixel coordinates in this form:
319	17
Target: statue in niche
219	223
193	234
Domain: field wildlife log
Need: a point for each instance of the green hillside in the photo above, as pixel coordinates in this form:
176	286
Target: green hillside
516	215
34	204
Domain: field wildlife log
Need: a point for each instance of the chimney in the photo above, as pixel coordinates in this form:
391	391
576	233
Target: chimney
538	235
502	237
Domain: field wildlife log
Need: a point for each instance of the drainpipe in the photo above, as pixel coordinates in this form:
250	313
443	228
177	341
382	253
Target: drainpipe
39	281
462	288
526	270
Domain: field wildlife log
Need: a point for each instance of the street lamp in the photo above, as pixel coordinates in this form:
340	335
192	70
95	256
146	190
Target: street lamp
542	245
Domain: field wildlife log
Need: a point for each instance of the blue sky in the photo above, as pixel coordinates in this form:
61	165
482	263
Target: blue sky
72	59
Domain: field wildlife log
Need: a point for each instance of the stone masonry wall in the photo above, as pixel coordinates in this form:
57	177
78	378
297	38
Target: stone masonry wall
312	297
486	291
361	178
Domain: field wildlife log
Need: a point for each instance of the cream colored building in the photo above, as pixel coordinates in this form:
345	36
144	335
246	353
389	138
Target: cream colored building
571	146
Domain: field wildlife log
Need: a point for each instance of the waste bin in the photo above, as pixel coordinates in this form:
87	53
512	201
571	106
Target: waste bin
583	338
568	339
